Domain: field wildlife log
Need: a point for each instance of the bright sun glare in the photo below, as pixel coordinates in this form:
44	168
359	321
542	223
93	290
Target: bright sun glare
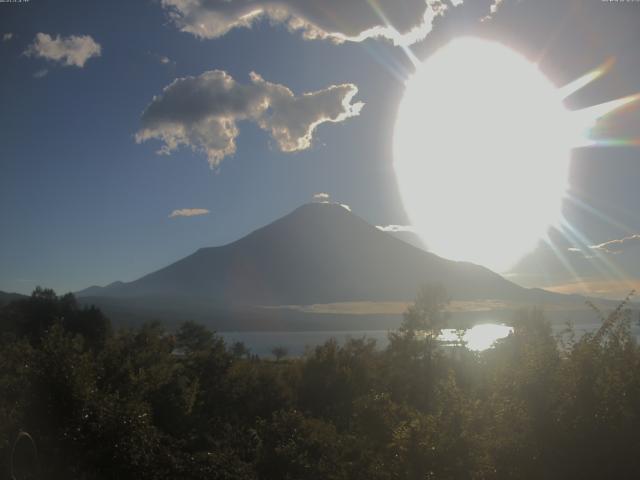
481	152
482	146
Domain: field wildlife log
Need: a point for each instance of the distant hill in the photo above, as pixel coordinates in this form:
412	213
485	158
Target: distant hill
318	254
9	297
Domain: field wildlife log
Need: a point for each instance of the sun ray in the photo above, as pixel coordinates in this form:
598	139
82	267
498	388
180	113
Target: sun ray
405	48
607	269
390	63
615	142
572	87
562	258
584	121
594	211
596	112
469	134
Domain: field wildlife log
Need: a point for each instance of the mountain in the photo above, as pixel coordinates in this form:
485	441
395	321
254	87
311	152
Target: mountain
318	254
6	298
409	237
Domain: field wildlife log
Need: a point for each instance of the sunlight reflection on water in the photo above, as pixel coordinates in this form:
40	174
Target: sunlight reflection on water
478	338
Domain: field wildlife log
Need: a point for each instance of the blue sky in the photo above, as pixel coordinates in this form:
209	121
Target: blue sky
82	203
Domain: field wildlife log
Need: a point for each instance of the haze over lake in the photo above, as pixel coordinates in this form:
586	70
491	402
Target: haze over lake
478	338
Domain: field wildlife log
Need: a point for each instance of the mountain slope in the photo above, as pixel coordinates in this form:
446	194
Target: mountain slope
6	297
319	253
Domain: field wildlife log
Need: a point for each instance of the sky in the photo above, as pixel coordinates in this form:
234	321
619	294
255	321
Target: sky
134	133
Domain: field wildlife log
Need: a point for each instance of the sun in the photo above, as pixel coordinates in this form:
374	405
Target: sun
482	145
481	152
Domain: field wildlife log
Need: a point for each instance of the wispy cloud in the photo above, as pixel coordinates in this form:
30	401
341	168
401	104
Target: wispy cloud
321	197
6	37
163	59
67	51
189	212
324	197
41	73
396	228
617	246
493	9
612	247
202	113
338	21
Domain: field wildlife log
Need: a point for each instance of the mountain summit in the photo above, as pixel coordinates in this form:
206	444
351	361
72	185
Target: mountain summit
319	253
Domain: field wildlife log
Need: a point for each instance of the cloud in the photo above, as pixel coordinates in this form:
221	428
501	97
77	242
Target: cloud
189	212
7	36
326	199
396	228
618	246
41	73
67	51
495	5
612	247
163	59
335	20
321	197
493	9
202	113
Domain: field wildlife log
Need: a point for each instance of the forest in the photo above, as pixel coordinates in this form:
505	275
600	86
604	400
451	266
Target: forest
81	399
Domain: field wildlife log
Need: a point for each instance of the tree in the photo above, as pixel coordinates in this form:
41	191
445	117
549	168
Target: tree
411	351
34	317
193	337
240	350
279	352
427	314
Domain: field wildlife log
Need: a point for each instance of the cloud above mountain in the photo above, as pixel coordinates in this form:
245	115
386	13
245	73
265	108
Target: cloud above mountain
396	228
202	113
321	197
402	22
325	198
71	51
188	212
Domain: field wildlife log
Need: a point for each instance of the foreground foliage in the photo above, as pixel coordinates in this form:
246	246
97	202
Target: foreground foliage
152	404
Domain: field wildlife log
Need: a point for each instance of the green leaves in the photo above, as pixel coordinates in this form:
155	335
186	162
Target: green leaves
152	404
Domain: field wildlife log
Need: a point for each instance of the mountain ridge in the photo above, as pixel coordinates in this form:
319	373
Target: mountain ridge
318	253
8	297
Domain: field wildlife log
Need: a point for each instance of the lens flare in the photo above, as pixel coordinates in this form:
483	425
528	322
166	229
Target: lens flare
482	145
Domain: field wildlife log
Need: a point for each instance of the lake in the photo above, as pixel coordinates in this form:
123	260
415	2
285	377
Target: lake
480	337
